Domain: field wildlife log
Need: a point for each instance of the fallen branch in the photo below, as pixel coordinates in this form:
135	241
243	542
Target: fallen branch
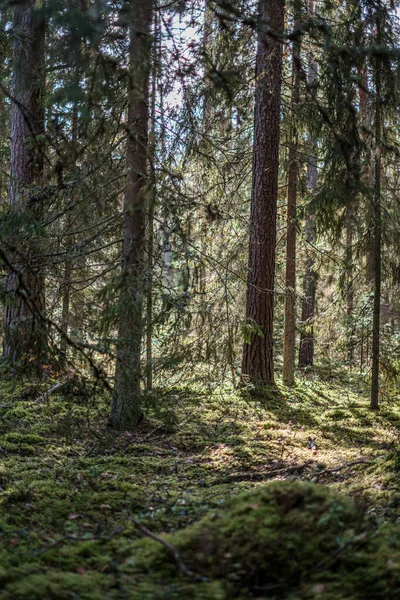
75	538
166	545
153	431
261	475
359	461
56	387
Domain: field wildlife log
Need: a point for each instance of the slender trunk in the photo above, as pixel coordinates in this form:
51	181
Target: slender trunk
150	216
290	303
125	410
257	363
377	231
207	38
25	341
66	292
369	175
349	283
306	351
4	111
362	348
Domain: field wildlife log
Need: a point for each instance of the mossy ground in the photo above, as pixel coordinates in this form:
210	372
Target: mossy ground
70	486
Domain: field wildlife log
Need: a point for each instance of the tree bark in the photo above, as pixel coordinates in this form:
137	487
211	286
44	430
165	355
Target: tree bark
349	283
290	280
126	410
25	337
306	351
257	363
377	229
68	268
151	209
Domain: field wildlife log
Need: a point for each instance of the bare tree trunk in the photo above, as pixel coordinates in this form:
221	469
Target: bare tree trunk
151	208
290	303
25	340
257	363
377	229
369	175
306	351
207	38
4	113
125	410
66	289
349	283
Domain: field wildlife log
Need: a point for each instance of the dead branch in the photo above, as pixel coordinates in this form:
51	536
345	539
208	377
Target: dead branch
171	549
345	466
261	475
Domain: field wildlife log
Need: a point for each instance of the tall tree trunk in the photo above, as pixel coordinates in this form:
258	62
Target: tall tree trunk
151	209
25	339
349	283
377	228
4	113
306	350
207	40
257	363
366	119
290	303
125	410
68	268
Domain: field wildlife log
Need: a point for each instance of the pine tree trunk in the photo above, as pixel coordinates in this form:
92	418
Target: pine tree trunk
369	175
349	287
125	410
150	212
207	39
25	337
377	231
67	282
306	350
4	132
257	363
290	280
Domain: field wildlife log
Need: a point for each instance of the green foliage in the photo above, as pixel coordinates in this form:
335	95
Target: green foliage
192	471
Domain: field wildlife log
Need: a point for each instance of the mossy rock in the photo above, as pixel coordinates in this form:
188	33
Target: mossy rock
284	540
57	585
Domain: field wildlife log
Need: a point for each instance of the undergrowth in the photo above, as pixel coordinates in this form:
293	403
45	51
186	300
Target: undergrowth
71	491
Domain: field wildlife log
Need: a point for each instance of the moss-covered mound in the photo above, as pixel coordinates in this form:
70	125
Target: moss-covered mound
284	540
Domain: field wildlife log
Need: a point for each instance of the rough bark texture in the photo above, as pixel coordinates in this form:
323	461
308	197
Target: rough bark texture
125	410
257	364
290	280
377	232
25	339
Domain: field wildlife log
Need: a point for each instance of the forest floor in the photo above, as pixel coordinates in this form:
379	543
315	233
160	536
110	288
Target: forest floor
74	496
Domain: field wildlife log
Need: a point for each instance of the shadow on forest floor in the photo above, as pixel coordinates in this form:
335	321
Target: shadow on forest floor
69	485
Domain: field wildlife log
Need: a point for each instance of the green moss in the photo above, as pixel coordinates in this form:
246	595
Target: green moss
70	485
286	537
55	585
